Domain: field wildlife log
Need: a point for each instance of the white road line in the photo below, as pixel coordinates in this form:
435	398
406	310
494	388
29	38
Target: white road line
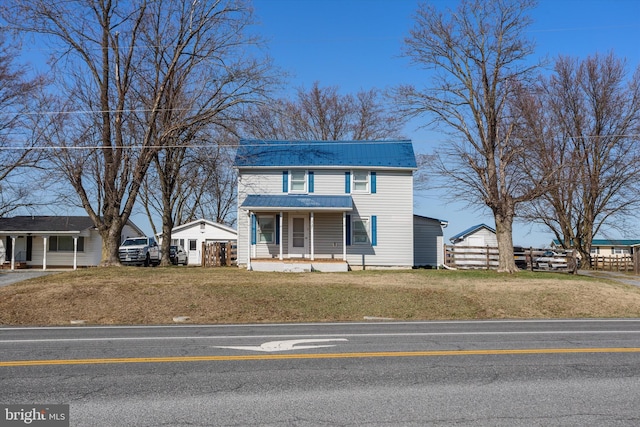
258	337
346	324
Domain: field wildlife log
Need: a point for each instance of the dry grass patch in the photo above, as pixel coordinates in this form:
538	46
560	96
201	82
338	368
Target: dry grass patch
230	295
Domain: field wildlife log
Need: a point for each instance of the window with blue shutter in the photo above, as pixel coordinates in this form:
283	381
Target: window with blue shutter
347	182
277	229
374	230
373	182
311	179
254	227
285	181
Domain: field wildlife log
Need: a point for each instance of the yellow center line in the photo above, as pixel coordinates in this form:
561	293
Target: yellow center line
433	353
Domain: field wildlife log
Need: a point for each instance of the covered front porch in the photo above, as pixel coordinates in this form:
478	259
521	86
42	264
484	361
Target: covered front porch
40	250
297	232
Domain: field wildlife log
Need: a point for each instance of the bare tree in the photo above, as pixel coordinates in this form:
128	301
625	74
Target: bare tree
323	114
475	56
122	63
190	181
218	190
19	139
204	92
586	126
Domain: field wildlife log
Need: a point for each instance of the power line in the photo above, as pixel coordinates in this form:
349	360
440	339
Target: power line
259	143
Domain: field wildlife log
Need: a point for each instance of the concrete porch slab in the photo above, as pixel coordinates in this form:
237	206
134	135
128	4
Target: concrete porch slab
299	266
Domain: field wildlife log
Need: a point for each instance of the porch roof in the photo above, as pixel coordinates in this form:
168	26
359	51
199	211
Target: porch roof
43	225
296	202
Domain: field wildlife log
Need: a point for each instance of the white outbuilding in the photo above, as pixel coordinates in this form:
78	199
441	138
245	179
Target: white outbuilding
193	234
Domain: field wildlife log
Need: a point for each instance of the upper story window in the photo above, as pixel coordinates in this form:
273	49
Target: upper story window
360	181
297	181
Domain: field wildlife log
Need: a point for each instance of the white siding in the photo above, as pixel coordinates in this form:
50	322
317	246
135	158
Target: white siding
392	204
193	231
328	235
428	242
89	257
481	237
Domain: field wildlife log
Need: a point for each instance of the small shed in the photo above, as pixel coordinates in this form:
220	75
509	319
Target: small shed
193	234
478	235
428	243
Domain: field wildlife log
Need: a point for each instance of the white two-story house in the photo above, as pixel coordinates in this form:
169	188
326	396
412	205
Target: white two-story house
325	205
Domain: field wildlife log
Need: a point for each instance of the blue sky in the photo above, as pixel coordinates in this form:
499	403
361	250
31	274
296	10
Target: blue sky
356	45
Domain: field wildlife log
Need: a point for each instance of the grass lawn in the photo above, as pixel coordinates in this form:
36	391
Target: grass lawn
130	295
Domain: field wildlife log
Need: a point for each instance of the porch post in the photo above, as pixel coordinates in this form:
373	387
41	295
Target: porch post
249	240
75	252
312	243
344	236
280	232
13	252
45	239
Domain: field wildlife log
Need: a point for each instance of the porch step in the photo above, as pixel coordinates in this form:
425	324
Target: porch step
299	267
285	267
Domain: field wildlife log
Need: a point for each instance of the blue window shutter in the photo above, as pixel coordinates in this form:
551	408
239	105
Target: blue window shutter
347	182
373	182
278	229
254	227
348	231
311	181
285	181
374	230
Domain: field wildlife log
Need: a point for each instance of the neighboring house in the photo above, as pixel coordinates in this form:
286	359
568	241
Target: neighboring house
475	247
332	205
608	247
192	235
52	241
478	235
428	244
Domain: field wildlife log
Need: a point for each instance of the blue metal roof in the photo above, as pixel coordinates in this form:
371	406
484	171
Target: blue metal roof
296	202
608	242
374	154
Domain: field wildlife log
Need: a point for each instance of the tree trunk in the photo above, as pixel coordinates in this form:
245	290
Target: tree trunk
504	234
110	244
167	226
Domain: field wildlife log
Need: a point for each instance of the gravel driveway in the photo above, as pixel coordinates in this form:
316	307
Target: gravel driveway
628	279
10	277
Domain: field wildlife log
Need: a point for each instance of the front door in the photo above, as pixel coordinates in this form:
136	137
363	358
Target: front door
298	236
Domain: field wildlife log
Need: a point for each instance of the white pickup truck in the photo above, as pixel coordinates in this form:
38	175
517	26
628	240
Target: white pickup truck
139	251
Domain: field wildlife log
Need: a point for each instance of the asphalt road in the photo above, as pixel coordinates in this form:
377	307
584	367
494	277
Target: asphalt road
366	374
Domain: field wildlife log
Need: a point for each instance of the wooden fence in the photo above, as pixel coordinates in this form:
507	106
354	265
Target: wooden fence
486	257
471	257
218	254
625	263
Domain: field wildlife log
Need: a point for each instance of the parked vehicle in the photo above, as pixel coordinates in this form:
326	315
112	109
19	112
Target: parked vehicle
177	255
551	260
520	257
139	251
